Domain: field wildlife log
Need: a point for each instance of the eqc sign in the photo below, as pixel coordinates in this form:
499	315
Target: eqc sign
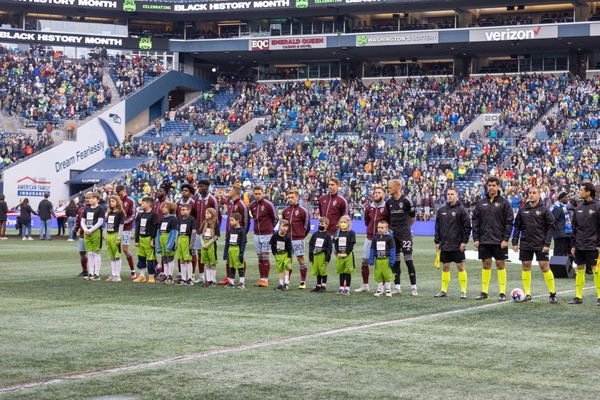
513	33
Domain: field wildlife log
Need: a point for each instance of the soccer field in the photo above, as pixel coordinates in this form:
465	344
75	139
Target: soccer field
54	325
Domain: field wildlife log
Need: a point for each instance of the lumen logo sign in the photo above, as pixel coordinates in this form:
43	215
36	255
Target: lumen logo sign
32	187
507	34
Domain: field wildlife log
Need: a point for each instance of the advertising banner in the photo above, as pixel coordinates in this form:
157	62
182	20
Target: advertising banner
288	43
397	38
513	33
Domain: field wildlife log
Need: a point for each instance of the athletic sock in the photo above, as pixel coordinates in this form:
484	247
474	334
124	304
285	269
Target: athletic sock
445	281
526	278
190	270
130	262
396	286
112	267
549	277
267	269
579	282
242	279
184	276
142	272
98	263
388	286
379	285
502	280
462	280
365	273
281	281
596	270
83	260
118	265
303	270
486	276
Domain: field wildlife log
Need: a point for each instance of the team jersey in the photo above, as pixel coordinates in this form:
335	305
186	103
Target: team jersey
299	220
344	242
238	206
130	213
281	244
186	226
334	207
400	213
156	207
145	225
191	202
208	232
373	215
168	223
91	216
586	226
534	227
265	216
204	203
492	220
320	242
452	227
114	221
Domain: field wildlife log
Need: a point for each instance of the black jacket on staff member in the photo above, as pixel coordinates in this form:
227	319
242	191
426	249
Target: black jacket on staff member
452	227
534	226
586	224
492	221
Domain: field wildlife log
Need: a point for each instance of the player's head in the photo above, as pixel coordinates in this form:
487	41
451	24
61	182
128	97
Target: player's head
564	197
382	227
203	186
210	215
120	191
187	191
395	187
147	203
334	184
168	208
378	194
323	223
236	220
235	192
185	210
293	196
284	225
587	191
88	196
115	204
46	195
493	185
258	193
94	198
533	194
162	191
452	195
345	222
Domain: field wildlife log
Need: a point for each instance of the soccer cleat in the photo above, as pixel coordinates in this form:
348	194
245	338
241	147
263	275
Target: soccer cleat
109	278
181	282
347	291
598	303
279	287
162	278
262	283
322	288
150	279
199	281
95	278
189	282
142	278
463	295
413	292
241	285
315	289
223	282
82	274
340	291
87	277
229	285
396	291
527	298
302	285
207	284
286	286
501	297
388	293
363	288
178	279
440	294
482	296
575	300
116	279
132	276
169	280
379	292
553	299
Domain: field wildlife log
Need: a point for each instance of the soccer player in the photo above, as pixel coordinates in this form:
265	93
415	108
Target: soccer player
333	206
492	221
166	240
382	255
265	218
130	212
115	222
204	200
452	231
209	233
401	215
146	225
236	206
91	225
80	241
585	242
374	212
281	247
344	242
534	226
562	211
187	191
185	243
161	198
319	254
235	246
299	220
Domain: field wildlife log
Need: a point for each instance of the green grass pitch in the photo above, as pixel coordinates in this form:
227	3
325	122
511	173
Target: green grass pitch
53	323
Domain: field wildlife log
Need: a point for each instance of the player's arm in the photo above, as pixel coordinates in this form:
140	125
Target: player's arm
328	248
193	238
466	224
475	223
226	247
137	229
517	230
392	247
242	245
436	235
351	242
508	221
311	247
273	215
306	222
172	239
273	243
574	231
157	242
288	246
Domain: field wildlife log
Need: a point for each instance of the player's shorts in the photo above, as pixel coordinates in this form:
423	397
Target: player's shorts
298	246
586	257
283	262
383	272
114	249
455	256
183	252
487	251
93	242
208	256
345	265
164	238
527	255
233	257
81	245
262	243
367	248
146	250
403	244
319	265
126	238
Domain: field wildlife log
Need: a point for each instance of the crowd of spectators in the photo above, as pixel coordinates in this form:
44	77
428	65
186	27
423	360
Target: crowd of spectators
14	147
131	72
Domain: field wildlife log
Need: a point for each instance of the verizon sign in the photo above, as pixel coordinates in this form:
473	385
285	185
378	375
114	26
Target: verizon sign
291	43
513	33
